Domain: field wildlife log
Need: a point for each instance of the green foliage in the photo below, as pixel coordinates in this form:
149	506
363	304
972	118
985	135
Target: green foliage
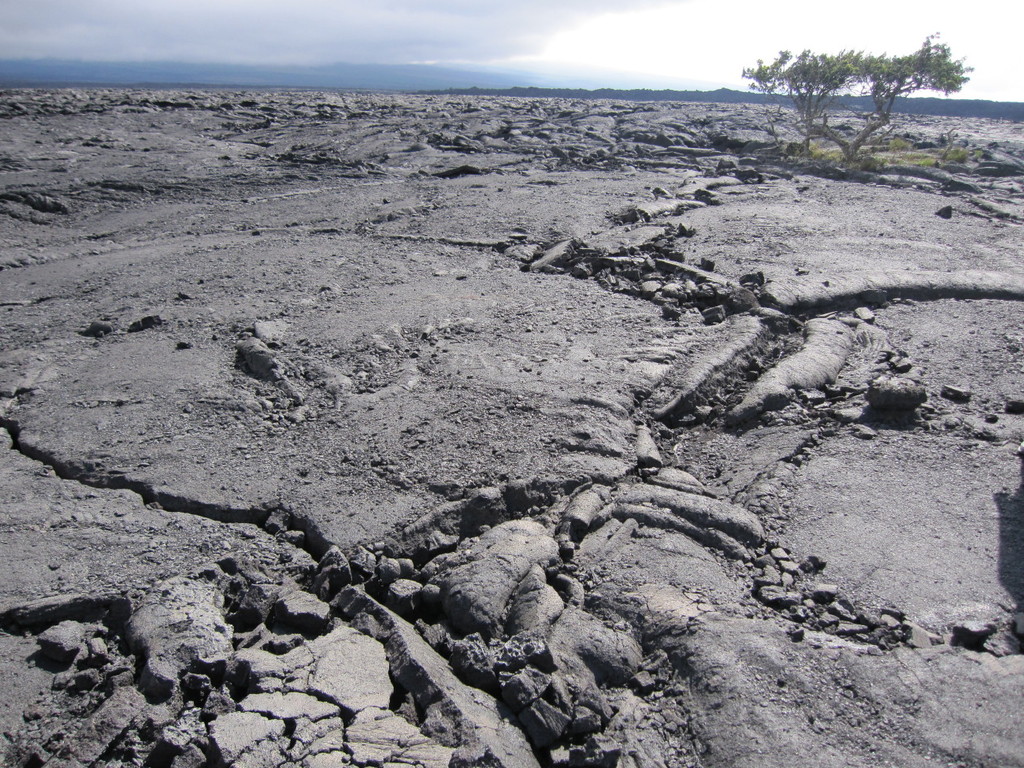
814	82
897	144
955	155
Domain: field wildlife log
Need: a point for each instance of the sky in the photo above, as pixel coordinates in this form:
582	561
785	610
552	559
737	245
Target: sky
588	43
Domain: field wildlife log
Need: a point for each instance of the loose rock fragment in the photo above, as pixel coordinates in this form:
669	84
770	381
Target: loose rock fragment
258	359
543	722
522	688
647	453
956	394
304	611
888	393
62	642
178	624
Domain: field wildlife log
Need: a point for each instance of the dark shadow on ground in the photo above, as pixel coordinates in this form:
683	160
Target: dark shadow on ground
1011	541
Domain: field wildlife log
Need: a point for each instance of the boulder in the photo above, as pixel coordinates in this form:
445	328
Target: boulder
61	642
888	393
178	624
474	594
306	612
590	652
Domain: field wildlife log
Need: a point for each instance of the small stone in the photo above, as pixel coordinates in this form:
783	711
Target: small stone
99	653
889	393
777	597
473	662
864	314
824	593
643	682
388	570
1014	406
741	300
847	415
713	315
98	329
404	596
331	579
521	689
769	577
649	287
145	323
522	649
945	212
270	332
864	432
901	364
543	723
254	607
956	394
437	636
85	680
848	628
813	564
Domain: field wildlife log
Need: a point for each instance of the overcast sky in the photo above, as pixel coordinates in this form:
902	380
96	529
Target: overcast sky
654	43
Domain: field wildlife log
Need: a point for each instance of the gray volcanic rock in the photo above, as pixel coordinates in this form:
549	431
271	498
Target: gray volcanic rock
179	624
475	593
339	445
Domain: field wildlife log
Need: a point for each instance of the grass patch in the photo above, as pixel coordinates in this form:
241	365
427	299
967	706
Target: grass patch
956	155
895	152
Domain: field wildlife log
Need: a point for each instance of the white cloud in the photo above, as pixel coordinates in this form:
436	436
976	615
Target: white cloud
662	42
296	32
711	41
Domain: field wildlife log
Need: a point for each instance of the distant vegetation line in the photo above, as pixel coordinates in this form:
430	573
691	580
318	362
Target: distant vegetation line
1005	110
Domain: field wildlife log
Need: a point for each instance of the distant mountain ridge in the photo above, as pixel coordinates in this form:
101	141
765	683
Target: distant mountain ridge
421	78
1005	110
392	77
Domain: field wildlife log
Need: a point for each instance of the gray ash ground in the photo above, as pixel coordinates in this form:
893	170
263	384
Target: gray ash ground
372	430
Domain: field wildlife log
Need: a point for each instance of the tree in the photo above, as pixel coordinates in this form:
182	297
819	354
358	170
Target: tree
816	82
